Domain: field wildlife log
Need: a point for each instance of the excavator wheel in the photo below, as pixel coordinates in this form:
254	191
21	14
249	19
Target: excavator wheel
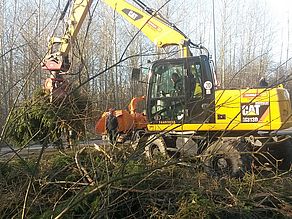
155	147
227	157
286	155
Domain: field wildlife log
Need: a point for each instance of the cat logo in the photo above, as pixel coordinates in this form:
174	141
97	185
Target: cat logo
251	110
132	14
254	112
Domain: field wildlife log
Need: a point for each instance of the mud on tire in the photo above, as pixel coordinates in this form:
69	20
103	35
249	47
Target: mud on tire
228	157
155	147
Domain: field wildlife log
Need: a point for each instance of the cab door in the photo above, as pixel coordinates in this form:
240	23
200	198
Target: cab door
188	99
200	91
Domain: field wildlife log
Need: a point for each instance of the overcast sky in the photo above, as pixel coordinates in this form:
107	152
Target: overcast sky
282	12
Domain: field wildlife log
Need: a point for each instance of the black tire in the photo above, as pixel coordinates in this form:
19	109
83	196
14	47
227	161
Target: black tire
228	157
155	147
286	155
279	154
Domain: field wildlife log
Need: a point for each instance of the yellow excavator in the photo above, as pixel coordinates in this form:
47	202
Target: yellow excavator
184	106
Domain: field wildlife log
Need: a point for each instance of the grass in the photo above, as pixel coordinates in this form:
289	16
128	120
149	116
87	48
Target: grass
117	183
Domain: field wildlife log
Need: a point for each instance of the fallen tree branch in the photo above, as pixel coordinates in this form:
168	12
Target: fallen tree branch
81	169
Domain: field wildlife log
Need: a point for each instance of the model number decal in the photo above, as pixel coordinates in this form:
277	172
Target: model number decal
250	119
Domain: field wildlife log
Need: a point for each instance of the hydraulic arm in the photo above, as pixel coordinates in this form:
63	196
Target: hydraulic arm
58	48
160	31
56	59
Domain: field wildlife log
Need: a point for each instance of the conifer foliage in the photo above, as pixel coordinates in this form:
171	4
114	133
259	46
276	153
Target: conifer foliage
39	120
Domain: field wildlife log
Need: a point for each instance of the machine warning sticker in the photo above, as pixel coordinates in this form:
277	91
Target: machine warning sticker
254	112
153	26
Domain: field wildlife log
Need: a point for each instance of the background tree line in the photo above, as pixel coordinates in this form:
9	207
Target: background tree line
247	42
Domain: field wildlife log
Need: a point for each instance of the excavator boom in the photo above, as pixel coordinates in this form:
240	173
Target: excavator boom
155	27
160	31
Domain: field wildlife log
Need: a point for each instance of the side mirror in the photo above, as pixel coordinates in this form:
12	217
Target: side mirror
136	74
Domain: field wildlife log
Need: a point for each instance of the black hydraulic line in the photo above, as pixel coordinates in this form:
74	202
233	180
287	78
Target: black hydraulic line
152	12
61	16
65	10
143	6
200	47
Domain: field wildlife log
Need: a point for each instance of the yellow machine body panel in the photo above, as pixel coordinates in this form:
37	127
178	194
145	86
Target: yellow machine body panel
242	110
281	114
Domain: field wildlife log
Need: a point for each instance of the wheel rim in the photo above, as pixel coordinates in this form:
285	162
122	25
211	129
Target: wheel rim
222	164
154	150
